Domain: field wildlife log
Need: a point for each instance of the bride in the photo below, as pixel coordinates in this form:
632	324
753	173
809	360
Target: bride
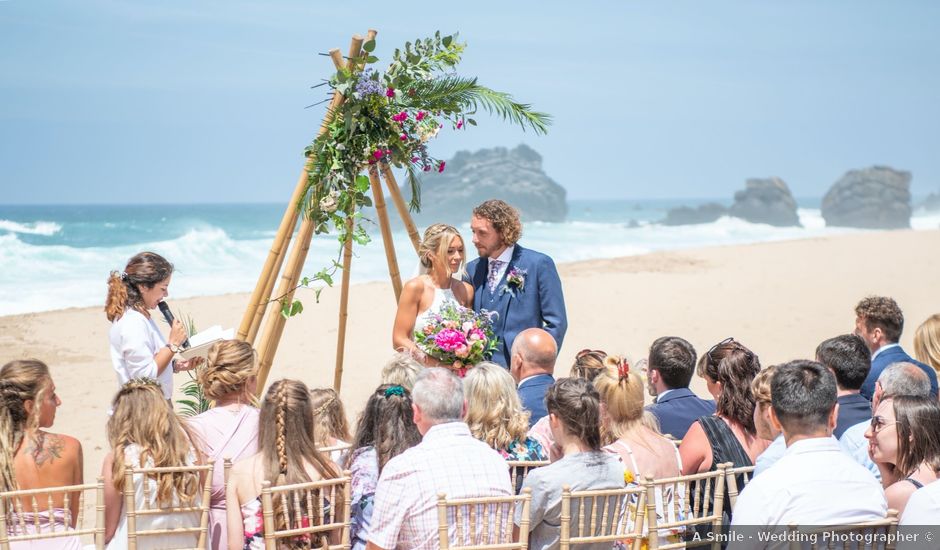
442	257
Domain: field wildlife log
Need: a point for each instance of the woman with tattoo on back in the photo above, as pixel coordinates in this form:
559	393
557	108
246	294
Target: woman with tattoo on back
30	456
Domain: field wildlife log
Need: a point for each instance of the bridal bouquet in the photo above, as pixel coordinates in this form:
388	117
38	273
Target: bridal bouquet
457	336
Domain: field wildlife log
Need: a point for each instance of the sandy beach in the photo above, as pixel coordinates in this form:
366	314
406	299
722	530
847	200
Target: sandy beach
780	299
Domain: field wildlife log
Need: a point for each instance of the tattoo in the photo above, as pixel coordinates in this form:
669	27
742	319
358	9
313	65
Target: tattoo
42	450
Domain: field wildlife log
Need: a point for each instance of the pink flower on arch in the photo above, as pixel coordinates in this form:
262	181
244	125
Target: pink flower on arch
420	115
378	154
390	92
459	124
440	168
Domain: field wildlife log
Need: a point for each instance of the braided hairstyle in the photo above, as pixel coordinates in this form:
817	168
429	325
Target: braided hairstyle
147	269
576	403
433	248
20	381
287	445
229	367
386	424
329	416
734	366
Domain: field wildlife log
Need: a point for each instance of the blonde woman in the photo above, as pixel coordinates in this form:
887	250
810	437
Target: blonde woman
230	428
495	414
442	258
287	454
927	342
330	427
30	456
144	432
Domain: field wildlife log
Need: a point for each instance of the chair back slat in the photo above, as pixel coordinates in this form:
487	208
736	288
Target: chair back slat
602	515
519	469
314	511
32	514
702	502
484	523
881	533
731	481
151	508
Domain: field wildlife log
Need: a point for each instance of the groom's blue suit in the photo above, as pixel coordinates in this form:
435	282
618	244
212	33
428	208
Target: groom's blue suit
539	303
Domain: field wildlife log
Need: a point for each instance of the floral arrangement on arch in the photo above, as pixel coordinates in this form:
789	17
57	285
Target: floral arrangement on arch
387	118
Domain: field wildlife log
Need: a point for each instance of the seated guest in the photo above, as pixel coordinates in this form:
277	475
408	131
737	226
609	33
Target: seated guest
728	435
330	427
766	430
230	428
814	483
574	415
495	415
848	358
385	430
897	379
532	365
927	342
144	432
669	372
642	450
904	442
401	370
448	460
923	508
287	454
879	322
33	458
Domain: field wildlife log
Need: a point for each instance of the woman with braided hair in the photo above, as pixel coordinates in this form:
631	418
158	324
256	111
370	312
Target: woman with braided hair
287	454
385	430
144	432
230	428
330	427
30	456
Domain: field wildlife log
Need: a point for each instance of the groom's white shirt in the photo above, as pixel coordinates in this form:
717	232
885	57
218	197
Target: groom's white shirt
505	257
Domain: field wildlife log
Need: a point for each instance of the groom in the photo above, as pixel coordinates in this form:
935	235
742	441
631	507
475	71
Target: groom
520	285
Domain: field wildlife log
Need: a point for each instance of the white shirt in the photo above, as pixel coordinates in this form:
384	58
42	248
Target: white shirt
505	257
135	339
663	394
771	454
813	483
882	348
923	508
854	444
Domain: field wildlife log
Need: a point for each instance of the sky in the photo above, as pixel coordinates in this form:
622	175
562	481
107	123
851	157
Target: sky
106	101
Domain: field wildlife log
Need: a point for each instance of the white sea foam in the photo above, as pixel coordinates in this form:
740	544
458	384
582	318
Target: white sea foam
35	228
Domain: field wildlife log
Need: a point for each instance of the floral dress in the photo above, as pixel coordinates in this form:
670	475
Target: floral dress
253	524
365	476
528	449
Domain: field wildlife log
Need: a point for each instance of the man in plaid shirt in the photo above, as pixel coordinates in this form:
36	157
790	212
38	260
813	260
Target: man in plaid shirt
448	460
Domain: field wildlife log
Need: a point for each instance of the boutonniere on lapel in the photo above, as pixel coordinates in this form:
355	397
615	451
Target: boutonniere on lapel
515	281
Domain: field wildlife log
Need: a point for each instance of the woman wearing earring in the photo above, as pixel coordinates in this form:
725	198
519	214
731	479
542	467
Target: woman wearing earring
138	348
442	257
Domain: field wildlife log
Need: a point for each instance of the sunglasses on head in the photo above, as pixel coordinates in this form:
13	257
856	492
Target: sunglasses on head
586	352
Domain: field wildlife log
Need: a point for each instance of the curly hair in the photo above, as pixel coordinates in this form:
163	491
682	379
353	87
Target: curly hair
20	381
494	410
505	219
386	424
734	366
884	313
229	367
147	269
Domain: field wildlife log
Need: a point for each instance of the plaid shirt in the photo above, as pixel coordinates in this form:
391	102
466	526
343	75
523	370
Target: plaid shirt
448	460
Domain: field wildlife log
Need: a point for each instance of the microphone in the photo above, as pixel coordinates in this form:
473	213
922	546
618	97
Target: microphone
168	315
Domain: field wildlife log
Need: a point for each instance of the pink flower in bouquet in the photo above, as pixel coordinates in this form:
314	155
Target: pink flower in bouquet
477	334
467	325
449	339
458	365
428	330
449	324
462	352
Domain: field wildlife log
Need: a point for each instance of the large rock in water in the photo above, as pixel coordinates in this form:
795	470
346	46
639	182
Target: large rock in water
513	175
874	198
765	201
686	215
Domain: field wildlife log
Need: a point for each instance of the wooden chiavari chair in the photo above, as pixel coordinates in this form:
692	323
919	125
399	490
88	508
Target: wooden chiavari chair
151	508
518	469
317	511
31	514
698	500
603	515
880	531
484	523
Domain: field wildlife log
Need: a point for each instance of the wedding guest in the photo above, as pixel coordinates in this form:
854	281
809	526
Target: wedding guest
814	483
401	370
448	460
287	454
385	430
729	435
495	414
230	428
138	348
763	423
331	428
574	416
904	442
532	366
897	379
927	342
923	508
848	358
670	367
32	457
879	322
143	431
521	283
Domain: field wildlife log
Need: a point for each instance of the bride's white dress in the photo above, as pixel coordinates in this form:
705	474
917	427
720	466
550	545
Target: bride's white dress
442	297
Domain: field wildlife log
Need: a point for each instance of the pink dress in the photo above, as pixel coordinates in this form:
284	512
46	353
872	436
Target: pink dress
220	433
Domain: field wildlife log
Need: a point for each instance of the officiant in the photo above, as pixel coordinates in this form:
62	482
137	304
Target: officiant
138	347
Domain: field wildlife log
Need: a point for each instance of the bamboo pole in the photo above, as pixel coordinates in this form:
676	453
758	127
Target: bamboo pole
343	303
400	205
274	328
382	212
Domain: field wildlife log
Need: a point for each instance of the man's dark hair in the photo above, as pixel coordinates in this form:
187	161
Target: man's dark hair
674	358
803	394
849	358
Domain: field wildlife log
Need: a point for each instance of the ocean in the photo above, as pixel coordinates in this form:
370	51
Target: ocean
59	256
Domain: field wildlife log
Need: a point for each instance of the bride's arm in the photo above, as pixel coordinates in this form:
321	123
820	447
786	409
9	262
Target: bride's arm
467	300
403	331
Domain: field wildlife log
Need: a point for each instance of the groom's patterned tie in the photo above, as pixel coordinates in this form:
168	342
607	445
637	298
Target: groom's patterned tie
492	278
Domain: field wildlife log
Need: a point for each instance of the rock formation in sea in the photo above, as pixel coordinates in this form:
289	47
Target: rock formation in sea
873	198
765	201
685	215
931	203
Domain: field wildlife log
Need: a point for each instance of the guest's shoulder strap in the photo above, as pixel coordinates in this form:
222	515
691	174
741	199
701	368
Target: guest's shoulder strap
725	445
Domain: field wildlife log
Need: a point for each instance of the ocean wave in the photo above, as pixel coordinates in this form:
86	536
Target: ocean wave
46	229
